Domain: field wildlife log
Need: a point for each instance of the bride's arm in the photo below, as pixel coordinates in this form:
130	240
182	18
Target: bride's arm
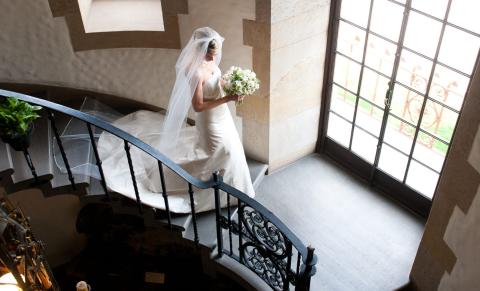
199	104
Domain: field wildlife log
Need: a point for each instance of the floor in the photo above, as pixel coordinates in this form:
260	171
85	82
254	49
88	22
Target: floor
363	240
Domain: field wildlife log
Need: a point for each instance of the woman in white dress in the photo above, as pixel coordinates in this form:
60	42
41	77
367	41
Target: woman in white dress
213	144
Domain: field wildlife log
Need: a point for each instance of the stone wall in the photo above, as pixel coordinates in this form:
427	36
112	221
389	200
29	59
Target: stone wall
299	38
449	254
280	123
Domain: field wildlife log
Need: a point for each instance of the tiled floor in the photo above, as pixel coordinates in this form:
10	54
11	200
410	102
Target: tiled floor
363	240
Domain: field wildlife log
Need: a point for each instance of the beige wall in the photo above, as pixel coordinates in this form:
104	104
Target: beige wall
449	254
280	123
299	37
35	48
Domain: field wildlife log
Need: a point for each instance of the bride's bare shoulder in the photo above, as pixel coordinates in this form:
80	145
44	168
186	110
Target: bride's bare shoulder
200	74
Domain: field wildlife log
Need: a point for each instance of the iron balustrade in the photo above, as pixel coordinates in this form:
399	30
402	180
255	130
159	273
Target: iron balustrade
265	244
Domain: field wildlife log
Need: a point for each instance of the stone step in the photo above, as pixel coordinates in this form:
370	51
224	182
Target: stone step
60	181
257	171
6	168
206	227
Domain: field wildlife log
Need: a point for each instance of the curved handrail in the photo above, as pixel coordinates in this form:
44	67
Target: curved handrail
100	123
308	260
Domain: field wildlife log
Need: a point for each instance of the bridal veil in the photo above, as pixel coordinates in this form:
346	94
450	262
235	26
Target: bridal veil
187	67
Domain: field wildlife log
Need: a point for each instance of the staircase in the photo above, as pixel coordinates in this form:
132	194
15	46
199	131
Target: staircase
209	231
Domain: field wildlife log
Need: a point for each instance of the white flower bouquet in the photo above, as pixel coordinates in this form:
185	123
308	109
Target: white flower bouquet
238	81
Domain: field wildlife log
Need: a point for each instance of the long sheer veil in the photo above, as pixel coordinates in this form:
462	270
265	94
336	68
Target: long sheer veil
187	78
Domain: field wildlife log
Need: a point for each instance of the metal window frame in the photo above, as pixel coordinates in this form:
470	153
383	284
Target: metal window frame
413	199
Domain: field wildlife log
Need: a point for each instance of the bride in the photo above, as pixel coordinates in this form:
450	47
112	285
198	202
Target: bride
213	144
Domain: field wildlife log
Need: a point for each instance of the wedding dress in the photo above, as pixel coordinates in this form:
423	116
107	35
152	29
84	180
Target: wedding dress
213	144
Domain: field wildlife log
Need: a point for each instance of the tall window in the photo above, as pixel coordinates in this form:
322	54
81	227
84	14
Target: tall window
401	71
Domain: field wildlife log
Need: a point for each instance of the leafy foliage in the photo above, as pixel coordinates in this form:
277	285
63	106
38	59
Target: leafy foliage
16	116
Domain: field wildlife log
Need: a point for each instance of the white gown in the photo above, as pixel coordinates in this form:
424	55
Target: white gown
213	144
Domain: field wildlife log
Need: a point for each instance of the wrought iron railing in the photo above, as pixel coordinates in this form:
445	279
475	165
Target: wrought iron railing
262	242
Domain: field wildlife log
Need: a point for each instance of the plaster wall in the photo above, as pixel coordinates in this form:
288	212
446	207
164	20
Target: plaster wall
35	48
449	254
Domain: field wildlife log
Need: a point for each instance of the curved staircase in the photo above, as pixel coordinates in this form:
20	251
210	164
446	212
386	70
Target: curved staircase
247	242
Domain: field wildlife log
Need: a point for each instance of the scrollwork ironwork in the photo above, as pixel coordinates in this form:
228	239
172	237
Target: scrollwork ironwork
263	232
257	259
264	247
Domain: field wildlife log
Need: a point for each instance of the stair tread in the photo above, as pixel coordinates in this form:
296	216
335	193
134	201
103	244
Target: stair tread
181	220
60	179
5	161
39	148
206	227
257	171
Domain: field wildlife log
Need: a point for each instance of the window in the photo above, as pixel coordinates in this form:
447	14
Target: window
121	15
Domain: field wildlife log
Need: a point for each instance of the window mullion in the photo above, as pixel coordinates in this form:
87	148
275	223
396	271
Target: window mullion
429	84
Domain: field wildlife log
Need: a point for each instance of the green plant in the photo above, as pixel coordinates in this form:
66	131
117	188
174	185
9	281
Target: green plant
16	116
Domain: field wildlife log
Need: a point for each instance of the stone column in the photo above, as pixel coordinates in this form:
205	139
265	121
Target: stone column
255	111
280	123
298	45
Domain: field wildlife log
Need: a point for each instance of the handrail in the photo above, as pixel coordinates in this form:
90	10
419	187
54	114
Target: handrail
308	258
100	123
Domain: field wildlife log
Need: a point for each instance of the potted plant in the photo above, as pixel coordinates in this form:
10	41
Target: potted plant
16	122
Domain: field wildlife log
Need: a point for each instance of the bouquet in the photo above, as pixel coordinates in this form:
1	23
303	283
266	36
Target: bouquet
238	81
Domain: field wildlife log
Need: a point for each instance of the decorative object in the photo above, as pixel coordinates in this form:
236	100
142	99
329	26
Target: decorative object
22	259
16	122
83	286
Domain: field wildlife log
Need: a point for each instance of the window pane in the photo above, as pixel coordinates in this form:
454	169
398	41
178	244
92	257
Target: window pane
430	151
422	179
387	19
464	13
356	11
351	41
399	134
380	55
439	120
369	117
436	8
406	104
459	49
393	162
374	87
422	34
449	87
342	102
364	145
346	73
339	129
414	71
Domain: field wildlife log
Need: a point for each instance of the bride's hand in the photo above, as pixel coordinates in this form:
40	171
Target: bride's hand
235	97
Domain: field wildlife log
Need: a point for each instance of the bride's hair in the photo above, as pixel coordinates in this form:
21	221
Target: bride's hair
213	45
